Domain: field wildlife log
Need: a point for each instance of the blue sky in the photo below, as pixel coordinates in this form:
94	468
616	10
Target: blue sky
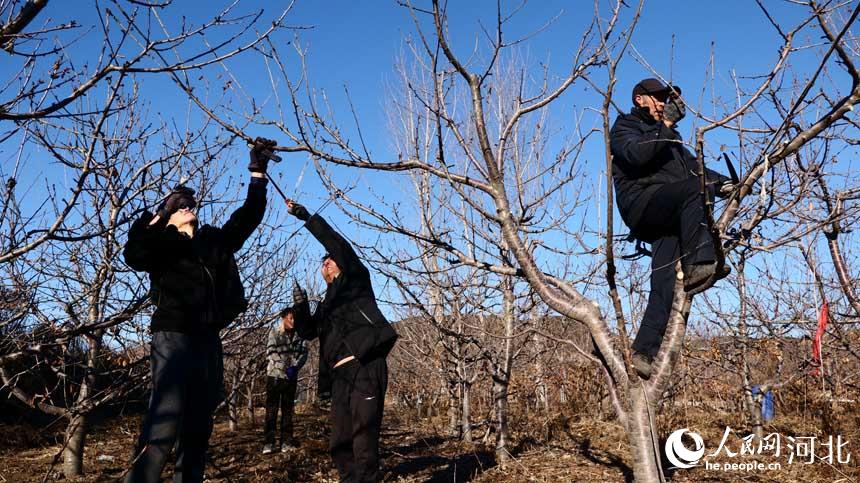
356	44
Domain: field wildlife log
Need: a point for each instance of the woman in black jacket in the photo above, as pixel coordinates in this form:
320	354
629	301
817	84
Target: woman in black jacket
355	339
196	291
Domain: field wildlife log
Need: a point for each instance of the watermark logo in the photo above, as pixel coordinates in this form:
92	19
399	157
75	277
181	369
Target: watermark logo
744	453
679	455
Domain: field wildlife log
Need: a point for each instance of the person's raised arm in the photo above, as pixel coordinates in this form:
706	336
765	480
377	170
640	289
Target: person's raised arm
338	248
247	217
143	250
146	247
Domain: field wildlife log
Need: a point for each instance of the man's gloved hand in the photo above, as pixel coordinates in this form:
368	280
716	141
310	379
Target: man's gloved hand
299	295
674	110
259	161
292	372
298	210
725	189
180	197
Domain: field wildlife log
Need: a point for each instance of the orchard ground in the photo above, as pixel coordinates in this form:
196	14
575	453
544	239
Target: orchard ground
561	448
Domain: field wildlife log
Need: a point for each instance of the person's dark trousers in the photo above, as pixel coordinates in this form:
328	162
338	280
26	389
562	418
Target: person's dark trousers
280	395
674	222
187	385
358	397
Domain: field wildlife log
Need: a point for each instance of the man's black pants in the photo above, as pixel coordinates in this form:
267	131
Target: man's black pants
280	395
674	222
187	386
358	396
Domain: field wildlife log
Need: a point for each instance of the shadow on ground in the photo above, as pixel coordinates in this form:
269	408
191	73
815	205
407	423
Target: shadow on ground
438	469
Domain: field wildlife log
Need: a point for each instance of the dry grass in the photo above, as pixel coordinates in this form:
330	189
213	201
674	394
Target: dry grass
556	449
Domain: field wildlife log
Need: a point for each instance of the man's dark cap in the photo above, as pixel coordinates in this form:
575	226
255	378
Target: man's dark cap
286	310
653	86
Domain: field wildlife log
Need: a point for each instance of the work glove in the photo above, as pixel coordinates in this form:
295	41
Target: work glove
725	189
299	295
292	372
180	197
259	161
674	110
298	210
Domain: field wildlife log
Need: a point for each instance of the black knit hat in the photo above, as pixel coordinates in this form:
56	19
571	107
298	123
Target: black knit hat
185	192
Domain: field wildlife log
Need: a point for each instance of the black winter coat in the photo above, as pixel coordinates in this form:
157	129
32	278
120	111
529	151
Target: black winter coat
190	278
347	321
647	154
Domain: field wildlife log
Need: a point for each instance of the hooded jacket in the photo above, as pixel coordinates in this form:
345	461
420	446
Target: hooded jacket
347	321
647	154
194	281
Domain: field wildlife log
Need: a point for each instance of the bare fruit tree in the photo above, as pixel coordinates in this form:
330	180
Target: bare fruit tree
476	160
86	154
51	77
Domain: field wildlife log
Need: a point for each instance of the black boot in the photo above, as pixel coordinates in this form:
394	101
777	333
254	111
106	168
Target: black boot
696	275
642	364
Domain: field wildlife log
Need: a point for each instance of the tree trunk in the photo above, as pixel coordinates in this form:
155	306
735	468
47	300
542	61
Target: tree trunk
645	448
502	373
757	419
233	409
76	431
500	396
454	414
418	405
466	413
542	393
251	415
643	437
73	450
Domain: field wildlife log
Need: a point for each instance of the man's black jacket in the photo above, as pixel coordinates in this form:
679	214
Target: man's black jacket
347	321
647	154
193	281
